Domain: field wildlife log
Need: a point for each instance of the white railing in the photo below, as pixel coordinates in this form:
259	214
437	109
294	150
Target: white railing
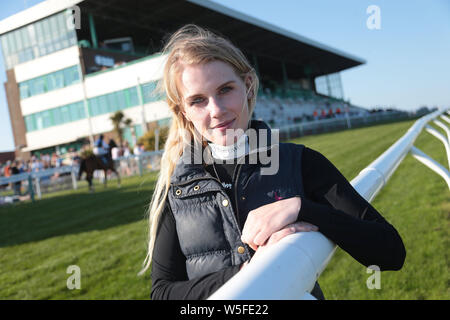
289	269
146	161
342	122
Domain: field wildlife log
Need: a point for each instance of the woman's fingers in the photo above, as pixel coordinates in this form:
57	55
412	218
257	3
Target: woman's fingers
263	221
290	229
305	226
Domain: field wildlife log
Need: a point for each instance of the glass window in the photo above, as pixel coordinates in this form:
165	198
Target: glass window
103	104
37	86
18	38
74	116
39	121
62	26
55	33
5	46
133	96
65	114
24	92
29	122
80	107
71	75
122	102
25	38
47	118
57	117
93	107
55	80
11	43
40	37
31	33
148	92
47	36
112	102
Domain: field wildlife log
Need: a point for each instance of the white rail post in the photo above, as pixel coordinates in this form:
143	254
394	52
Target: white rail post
38	187
444	127
445	118
74	180
433	165
441	137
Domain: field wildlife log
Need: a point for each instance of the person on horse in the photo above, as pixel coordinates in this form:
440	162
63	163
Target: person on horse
101	149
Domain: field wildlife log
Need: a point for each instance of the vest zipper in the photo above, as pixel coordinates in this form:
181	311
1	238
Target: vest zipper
234	182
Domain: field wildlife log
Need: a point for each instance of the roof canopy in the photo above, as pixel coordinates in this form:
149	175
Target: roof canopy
149	22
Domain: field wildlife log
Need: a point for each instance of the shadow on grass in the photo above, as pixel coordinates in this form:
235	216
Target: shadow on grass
73	213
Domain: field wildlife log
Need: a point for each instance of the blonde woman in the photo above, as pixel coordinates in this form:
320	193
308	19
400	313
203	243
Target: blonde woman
213	207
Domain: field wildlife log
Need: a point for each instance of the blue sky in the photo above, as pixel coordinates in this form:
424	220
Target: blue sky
408	58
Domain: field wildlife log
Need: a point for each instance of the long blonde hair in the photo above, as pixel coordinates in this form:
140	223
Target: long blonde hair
190	44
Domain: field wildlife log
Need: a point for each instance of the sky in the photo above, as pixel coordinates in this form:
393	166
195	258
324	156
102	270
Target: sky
407	56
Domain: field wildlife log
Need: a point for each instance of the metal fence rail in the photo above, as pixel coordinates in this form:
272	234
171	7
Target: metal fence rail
340	123
289	268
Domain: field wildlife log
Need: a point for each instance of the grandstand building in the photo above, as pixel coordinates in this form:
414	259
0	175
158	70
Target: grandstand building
70	64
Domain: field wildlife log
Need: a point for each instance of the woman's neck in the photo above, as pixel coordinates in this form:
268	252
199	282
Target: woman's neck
237	150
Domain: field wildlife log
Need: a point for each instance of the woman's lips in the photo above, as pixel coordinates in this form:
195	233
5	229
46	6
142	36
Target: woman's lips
225	125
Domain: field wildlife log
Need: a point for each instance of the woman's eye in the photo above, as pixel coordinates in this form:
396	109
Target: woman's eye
196	101
225	89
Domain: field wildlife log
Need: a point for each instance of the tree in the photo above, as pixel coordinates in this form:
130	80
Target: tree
148	139
116	119
119	121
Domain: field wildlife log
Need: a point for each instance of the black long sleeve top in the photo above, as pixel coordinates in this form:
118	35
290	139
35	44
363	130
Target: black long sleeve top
330	203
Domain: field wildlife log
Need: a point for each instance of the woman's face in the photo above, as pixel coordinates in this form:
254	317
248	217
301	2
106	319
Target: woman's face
215	101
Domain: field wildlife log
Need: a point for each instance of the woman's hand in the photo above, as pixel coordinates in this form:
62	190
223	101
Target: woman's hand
277	236
269	219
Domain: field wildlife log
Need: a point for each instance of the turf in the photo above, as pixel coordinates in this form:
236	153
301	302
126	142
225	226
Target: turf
105	233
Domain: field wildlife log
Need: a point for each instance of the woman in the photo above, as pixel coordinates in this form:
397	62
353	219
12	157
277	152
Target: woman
208	216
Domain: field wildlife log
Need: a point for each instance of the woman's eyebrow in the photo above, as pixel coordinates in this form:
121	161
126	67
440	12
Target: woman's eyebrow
199	94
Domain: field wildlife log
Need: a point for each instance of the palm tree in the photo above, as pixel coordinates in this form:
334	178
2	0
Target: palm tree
117	119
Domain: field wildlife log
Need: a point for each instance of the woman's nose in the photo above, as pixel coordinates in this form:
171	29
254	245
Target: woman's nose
216	107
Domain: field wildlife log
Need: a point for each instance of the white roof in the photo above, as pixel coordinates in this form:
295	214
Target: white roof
35	13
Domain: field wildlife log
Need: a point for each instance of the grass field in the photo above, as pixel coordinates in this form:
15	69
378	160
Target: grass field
105	233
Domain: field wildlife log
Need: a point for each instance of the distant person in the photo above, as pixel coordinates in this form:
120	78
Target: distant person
7	169
126	149
315	115
101	149
16	185
209	218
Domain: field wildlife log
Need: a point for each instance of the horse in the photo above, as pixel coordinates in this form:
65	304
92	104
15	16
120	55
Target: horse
92	163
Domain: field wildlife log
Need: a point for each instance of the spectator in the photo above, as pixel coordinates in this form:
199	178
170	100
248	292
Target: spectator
16	185
7	169
126	149
115	152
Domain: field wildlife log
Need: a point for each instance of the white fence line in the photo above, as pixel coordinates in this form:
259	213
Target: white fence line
34	179
324	125
289	268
